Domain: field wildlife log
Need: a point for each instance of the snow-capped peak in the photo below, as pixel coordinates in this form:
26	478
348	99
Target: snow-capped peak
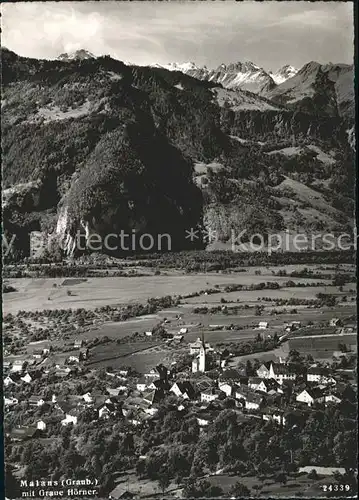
76	55
186	66
284	73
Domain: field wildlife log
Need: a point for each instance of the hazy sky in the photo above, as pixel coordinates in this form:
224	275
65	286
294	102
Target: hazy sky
270	34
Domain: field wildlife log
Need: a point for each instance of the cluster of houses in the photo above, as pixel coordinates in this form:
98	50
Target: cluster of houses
274	389
139	399
27	368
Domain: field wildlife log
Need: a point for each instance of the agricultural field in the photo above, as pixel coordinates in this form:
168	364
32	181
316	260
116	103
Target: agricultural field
140	358
322	347
59	293
219	325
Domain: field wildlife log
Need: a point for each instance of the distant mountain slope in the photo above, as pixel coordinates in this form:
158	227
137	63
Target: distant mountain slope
77	55
93	144
282	74
318	89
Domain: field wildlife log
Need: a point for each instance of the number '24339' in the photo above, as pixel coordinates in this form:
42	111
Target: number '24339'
336	487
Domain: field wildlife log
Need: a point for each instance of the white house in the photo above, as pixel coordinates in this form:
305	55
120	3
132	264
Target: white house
87	397
204	420
106	410
257	384
148	333
183	330
151	411
263	325
320	375
71	417
27	378
8	381
332	399
18	365
209	395
226	388
183	389
275	415
141	385
41	425
253	401
74	358
10	401
241	392
310	396
124	372
263	371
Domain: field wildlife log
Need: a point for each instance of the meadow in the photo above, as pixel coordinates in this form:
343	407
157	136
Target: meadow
222	326
49	293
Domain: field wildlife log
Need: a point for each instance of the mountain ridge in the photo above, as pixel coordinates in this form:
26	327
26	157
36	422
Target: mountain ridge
98	145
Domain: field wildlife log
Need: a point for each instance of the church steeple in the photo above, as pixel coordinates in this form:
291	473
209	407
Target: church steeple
202	356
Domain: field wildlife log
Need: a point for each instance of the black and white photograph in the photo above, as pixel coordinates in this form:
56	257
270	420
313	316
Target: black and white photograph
179	294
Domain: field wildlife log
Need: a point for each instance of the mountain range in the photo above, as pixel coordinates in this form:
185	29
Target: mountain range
97	145
329	87
245	76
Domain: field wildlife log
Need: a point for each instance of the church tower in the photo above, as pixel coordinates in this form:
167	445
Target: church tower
202	356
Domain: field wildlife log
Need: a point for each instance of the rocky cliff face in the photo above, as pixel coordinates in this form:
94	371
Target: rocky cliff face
283	126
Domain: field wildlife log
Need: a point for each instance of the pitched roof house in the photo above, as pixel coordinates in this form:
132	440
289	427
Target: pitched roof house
263	371
227	388
71	416
311	396
253	401
183	389
210	395
264	385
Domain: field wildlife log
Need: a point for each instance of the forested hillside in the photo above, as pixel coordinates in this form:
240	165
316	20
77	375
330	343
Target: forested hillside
99	145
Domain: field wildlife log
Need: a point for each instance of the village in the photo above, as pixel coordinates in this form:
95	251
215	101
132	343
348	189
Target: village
40	399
